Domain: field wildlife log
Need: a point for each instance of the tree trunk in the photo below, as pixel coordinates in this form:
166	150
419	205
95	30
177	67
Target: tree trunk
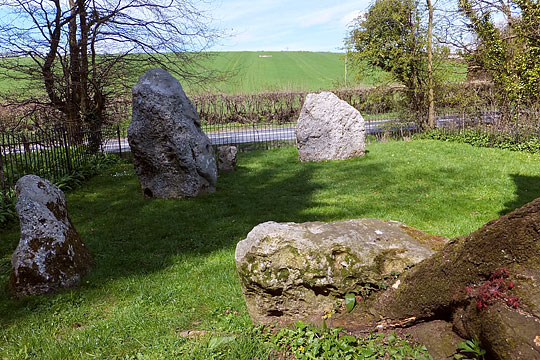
83	53
457	284
431	101
74	80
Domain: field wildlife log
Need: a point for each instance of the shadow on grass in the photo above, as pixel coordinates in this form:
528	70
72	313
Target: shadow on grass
527	189
130	236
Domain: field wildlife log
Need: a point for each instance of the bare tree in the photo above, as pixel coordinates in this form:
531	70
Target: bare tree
431	97
80	51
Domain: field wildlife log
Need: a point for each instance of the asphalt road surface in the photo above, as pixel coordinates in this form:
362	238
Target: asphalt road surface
254	135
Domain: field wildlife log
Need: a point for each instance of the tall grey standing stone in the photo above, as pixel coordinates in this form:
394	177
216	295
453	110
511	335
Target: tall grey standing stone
173	157
329	129
51	254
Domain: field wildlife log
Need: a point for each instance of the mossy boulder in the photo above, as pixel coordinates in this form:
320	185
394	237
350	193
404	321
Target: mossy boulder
50	254
293	272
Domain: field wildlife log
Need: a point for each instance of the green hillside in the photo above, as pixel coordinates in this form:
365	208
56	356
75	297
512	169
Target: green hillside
252	72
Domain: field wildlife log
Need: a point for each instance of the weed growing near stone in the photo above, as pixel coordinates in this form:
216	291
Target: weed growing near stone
470	350
308	342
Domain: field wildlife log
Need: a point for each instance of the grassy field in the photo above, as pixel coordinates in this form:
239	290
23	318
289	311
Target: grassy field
163	267
253	72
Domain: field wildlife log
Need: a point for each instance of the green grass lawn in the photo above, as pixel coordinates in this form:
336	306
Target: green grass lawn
166	266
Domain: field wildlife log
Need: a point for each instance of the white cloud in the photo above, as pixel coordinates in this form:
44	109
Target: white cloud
317	18
283	24
350	17
326	15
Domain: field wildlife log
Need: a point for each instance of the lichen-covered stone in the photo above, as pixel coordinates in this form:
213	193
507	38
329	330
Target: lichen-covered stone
227	158
50	254
329	129
172	155
295	271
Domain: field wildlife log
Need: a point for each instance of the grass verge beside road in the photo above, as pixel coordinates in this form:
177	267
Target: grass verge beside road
164	281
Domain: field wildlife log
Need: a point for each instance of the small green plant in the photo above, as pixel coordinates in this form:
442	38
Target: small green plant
368	289
470	350
350	301
481	138
7	210
307	342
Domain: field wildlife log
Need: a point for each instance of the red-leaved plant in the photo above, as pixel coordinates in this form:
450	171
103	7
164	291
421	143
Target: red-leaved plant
492	289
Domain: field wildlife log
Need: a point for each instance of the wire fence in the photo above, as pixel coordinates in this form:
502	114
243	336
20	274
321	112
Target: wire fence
50	153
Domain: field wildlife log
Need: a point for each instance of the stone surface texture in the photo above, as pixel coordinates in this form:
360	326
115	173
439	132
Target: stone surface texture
50	254
329	129
172	155
293	272
227	158
437	336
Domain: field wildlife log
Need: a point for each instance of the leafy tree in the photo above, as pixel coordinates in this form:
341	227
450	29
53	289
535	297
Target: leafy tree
390	36
507	35
81	51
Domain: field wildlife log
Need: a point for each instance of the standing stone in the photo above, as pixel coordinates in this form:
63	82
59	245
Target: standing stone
51	254
293	272
227	158
173	157
329	129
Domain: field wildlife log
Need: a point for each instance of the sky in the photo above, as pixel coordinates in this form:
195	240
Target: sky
284	25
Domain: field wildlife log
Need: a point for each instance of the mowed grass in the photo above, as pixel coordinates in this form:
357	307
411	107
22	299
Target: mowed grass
162	267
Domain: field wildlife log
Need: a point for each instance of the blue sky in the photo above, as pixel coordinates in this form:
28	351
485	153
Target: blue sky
277	25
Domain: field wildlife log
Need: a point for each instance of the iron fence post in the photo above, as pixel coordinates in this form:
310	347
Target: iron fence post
2	176
119	140
66	146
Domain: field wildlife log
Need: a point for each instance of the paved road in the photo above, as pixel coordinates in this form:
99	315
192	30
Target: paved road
253	135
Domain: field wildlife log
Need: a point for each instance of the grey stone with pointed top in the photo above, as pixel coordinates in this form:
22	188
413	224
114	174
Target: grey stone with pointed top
173	157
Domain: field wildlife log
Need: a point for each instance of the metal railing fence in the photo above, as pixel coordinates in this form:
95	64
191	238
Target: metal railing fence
53	153
50	153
